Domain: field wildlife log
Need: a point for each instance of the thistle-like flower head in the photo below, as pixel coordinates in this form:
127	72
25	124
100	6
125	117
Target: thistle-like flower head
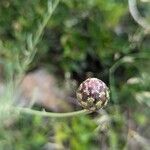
93	94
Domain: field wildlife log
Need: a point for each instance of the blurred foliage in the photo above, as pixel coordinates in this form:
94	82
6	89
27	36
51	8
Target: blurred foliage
82	37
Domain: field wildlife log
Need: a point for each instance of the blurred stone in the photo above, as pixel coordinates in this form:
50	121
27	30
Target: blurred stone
41	88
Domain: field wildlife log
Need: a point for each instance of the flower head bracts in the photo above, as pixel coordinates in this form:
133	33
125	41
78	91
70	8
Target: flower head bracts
92	94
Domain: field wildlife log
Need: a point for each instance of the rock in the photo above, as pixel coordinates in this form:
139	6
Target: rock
41	88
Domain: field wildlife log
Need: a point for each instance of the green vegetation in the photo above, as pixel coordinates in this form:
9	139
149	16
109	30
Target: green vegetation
82	38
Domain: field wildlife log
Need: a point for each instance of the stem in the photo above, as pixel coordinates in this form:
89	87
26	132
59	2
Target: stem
51	114
51	8
121	61
137	16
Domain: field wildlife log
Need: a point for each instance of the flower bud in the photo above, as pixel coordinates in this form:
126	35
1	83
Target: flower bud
93	94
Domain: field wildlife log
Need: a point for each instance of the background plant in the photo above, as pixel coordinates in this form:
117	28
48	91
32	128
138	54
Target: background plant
81	37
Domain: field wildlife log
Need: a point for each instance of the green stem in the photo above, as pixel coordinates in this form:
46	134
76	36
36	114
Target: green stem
51	114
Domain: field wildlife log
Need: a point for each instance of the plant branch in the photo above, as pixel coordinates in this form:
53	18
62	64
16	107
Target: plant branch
51	8
51	114
32	40
136	15
126	59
